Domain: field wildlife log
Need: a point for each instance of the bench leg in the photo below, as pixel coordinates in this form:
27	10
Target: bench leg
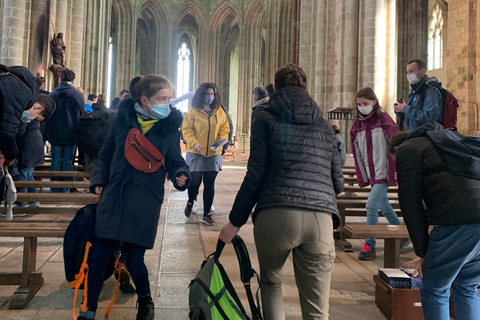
30	281
392	253
340	241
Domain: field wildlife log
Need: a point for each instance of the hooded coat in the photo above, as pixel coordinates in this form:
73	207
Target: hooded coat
423	176
18	92
129	207
294	160
30	146
61	127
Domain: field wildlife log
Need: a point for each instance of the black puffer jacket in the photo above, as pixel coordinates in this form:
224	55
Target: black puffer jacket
18	92
423	174
294	160
30	146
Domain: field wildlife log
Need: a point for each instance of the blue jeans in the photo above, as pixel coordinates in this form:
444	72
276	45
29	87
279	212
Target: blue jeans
102	250
26	174
378	200
59	153
452	260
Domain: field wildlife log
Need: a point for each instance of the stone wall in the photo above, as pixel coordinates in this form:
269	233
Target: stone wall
462	61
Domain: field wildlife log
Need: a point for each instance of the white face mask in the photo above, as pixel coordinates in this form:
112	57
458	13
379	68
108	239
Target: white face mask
365	110
412	78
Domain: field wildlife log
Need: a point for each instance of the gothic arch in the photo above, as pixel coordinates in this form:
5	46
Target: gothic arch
122	31
152	31
225	26
190	20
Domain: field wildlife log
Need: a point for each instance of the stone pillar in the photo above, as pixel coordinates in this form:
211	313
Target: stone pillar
39	41
13	32
61	14
76	35
412	39
462	61
346	53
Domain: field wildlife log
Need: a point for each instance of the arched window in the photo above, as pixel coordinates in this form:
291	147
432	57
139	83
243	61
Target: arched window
183	75
110	71
435	38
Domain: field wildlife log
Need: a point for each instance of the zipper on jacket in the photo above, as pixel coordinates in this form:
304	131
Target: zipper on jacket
145	150
208	137
143	156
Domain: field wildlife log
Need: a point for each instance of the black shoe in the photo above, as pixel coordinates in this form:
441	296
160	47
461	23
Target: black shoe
82	318
125	284
146	309
188	209
367	253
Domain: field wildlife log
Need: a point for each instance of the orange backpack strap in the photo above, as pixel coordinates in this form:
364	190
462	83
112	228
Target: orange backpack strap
121	267
82	277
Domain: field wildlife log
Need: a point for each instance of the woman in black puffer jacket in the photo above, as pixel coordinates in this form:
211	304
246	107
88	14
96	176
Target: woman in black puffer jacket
294	174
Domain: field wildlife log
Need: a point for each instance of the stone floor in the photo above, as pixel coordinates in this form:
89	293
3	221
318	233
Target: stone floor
181	246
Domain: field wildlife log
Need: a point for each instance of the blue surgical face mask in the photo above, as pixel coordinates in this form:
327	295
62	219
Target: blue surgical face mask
160	111
209	99
26	117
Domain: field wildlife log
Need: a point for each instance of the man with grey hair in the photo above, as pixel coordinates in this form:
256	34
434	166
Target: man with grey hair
260	101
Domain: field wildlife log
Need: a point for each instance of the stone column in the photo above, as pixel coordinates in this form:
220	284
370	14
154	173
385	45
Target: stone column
346	53
76	36
39	42
61	14
13	32
412	39
462	61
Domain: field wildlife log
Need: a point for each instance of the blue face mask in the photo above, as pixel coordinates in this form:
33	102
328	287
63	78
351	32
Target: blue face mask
26	117
209	99
161	110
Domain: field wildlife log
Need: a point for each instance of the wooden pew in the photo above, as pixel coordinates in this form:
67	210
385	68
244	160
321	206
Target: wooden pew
28	279
391	234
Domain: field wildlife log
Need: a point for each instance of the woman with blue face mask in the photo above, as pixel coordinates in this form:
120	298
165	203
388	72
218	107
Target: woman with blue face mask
204	124
131	199
370	135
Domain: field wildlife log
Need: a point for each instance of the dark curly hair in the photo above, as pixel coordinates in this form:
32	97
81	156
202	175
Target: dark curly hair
198	99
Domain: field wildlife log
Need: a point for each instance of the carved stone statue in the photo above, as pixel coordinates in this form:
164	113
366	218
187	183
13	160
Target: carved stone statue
57	46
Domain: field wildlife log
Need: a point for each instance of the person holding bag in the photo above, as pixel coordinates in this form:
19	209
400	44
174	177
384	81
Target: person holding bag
143	144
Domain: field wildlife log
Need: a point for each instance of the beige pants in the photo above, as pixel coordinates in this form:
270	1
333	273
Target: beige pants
308	235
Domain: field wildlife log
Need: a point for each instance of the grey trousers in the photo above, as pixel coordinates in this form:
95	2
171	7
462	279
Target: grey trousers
308	235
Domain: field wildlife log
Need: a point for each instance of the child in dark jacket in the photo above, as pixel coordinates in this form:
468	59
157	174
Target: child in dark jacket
130	203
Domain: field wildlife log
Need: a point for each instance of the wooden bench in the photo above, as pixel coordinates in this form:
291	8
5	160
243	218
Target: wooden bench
29	280
391	234
65	174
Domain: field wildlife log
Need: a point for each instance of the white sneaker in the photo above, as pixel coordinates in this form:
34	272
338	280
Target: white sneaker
195	207
212	209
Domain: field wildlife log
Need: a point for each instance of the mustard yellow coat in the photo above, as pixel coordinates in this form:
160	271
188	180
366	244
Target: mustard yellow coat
198	127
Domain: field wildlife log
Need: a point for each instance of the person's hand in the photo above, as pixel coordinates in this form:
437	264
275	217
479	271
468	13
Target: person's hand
399	106
197	147
98	190
228	232
180	181
417	265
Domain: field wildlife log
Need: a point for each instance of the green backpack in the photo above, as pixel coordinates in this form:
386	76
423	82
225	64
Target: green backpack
212	296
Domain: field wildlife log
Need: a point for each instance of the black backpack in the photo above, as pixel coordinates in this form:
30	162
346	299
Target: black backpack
462	153
77	244
92	131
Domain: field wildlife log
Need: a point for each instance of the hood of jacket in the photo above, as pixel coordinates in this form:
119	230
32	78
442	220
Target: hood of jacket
64	90
294	105
98	107
422	130
128	118
28	79
425	80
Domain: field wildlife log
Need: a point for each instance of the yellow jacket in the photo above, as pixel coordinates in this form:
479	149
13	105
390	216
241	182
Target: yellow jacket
198	127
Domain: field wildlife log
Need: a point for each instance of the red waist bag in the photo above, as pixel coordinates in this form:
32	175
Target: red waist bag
141	153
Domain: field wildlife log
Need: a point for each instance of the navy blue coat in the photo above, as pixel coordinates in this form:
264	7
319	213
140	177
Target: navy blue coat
18	92
30	146
61	126
129	208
